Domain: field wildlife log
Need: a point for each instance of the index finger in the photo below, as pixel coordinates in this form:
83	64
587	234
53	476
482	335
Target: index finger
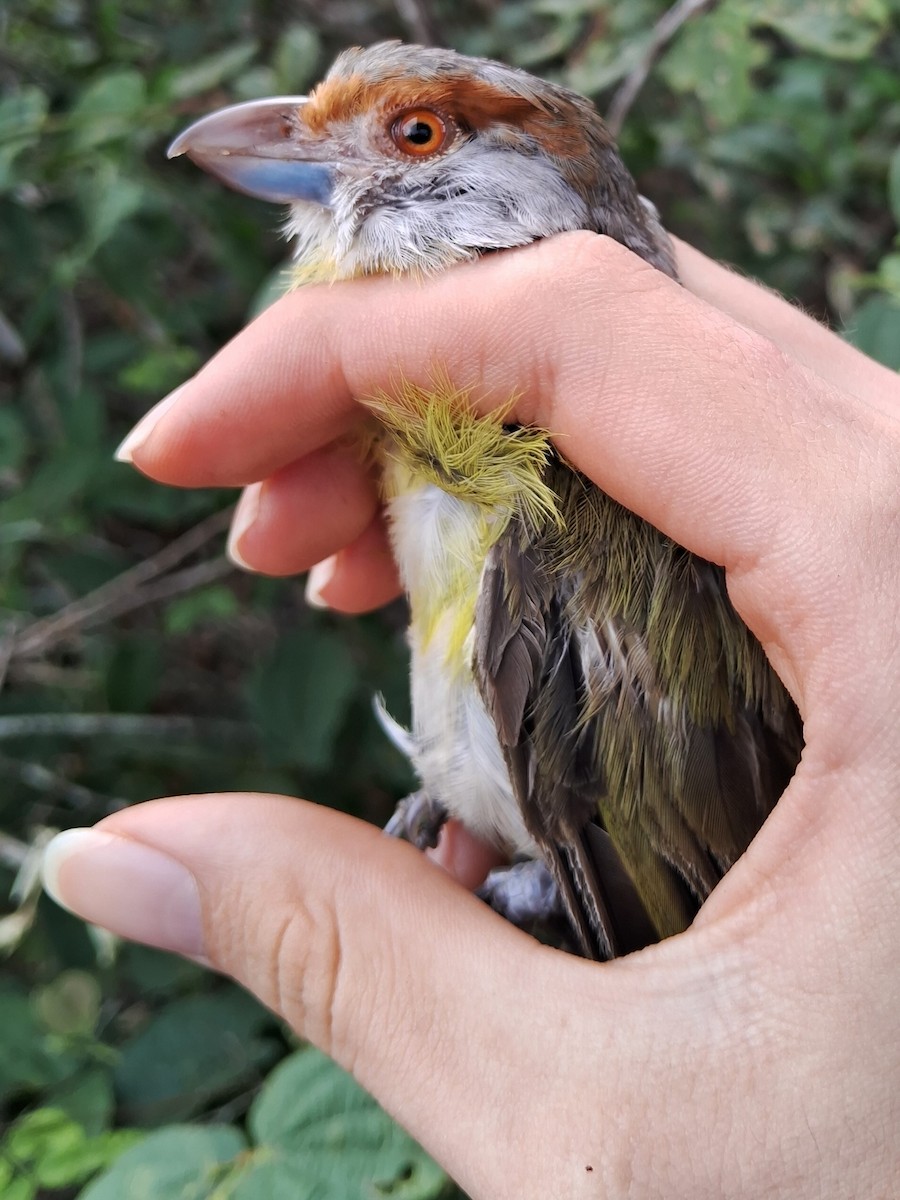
670	405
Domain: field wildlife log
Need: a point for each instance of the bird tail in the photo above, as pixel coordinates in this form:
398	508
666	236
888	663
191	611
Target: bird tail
605	910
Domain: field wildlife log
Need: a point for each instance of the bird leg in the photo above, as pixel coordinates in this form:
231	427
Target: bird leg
419	819
525	893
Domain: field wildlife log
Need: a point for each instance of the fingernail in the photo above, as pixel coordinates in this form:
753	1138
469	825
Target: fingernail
126	887
318	579
244	516
145	426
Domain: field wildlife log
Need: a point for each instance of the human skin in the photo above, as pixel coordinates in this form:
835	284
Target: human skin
757	1054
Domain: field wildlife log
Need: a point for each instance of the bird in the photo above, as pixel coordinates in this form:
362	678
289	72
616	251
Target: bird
585	697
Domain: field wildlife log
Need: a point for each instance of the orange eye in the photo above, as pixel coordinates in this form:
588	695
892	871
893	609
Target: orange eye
419	133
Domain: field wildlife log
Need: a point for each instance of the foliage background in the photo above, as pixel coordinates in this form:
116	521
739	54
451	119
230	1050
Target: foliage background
134	661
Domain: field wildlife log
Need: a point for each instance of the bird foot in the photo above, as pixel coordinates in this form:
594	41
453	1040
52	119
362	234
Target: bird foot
525	893
419	819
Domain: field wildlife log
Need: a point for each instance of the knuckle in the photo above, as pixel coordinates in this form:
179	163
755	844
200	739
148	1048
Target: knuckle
305	961
614	267
326	982
288	950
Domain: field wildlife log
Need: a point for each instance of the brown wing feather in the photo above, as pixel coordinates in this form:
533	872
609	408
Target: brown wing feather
646	735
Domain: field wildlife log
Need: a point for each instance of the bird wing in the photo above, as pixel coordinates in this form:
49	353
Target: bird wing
640	791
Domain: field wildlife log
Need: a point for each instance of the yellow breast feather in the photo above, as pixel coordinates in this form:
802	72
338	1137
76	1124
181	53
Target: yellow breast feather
436	435
431	438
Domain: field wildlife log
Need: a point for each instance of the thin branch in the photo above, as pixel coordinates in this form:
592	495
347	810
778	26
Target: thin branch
127	725
36	672
662	33
188	580
13	853
38	777
121	594
12	348
418	18
74	338
6	647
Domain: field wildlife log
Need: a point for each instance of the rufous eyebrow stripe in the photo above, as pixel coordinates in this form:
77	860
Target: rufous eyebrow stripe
473	103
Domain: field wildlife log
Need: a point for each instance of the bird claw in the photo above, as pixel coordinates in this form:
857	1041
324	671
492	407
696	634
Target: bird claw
419	819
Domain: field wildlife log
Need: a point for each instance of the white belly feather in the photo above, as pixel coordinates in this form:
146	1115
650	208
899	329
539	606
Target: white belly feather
438	542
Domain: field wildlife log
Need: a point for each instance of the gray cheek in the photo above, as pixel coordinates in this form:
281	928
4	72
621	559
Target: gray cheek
467	203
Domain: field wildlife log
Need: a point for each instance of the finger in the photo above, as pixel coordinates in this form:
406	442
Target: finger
365	947
359	578
659	396
303	513
249	412
789	327
464	856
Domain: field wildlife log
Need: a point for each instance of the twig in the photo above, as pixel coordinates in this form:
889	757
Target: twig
13	853
35	776
662	33
6	646
36	672
74	338
12	348
119	595
128	725
188	580
418	18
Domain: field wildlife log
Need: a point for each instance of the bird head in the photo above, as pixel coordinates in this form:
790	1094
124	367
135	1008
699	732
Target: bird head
407	158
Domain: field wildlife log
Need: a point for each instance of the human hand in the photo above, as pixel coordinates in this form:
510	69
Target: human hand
756	1054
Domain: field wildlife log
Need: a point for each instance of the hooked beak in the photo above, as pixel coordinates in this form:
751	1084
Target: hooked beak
260	148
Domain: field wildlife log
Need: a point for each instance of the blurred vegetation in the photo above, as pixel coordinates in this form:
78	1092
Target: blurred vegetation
134	662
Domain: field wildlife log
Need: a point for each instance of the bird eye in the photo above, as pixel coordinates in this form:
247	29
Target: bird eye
419	132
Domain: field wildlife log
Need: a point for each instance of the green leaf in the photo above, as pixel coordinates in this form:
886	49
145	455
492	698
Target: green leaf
160	370
276	284
29	1060
889	275
295	59
300	1099
55	1150
18	1189
255	83
155	973
848	29
109	108
209	72
14	441
605	63
214	603
180	1163
111	200
64	1165
714	58
22	116
107	199
301	693
875	330
30	1137
894	184
132	677
86	1098
194	1050
329	1140
56	486
70	1004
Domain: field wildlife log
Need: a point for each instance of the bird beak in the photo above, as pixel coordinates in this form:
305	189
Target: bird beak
260	148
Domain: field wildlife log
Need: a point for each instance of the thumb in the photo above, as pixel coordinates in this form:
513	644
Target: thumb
370	951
